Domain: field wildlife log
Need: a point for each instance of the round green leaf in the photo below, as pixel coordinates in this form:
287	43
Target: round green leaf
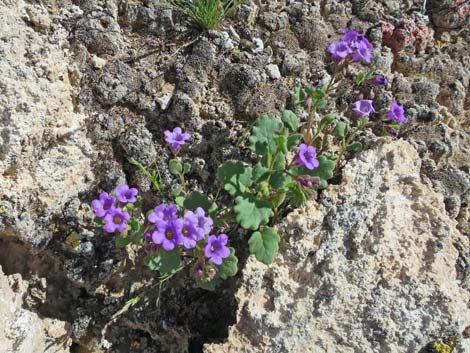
264	245
229	266
252	212
235	177
262	138
195	200
290	120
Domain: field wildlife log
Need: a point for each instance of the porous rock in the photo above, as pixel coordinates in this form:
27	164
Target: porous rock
372	268
22	331
44	153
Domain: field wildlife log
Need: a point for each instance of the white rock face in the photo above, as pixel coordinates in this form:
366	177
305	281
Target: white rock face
273	71
22	331
372	268
44	153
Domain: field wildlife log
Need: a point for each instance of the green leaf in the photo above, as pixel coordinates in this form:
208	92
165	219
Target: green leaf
134	224
229	266
206	284
319	94
324	171
235	177
355	146
262	138
213	209
369	74
129	207
281	142
278	164
252	212
177	190
195	200
186	168
122	242
279	180
327	120
175	166
278	199
99	221
299	96
341	130
359	78
260	173
363	122
290	120
294	140
164	261
264	245
297	196
179	200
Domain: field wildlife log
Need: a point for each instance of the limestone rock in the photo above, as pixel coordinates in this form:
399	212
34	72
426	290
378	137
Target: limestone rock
22	331
371	268
44	153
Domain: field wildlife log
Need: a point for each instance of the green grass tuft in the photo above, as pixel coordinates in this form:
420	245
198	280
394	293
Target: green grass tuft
207	14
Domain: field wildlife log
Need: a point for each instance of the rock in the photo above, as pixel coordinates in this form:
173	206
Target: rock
99	31
449	14
223	40
138	145
45	156
273	71
22	331
259	45
407	33
98	62
312	34
371	268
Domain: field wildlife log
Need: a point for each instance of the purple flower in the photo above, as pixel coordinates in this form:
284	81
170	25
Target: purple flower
309	181
190	232
350	35
364	107
126	194
199	268
177	138
163	213
359	45
362	53
381	80
305	182
339	50
202	223
216	248
307	157
116	221
103	205
397	113
168	234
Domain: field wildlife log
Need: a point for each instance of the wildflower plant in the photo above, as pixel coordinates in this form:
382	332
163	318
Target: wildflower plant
292	163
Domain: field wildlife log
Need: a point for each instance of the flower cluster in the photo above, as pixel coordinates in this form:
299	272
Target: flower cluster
111	209
365	107
169	231
353	45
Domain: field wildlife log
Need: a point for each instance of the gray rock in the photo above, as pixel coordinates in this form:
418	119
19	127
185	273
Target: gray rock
273	71
22	331
377	247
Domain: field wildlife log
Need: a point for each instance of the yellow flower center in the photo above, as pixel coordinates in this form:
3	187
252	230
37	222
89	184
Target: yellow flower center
169	234
118	220
185	231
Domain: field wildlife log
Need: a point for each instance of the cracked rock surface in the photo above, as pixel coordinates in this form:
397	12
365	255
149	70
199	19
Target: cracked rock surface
379	262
